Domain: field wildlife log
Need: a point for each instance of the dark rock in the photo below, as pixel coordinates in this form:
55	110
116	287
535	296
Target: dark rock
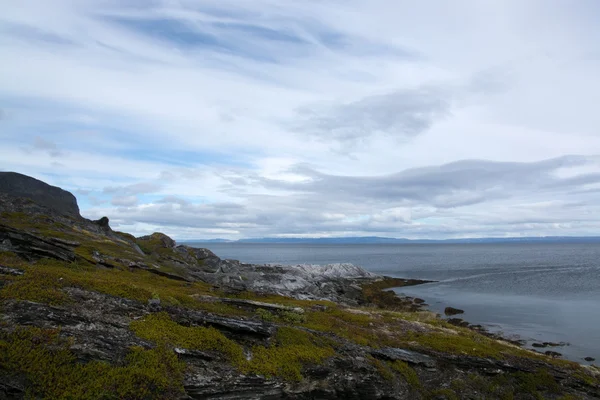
538	345
453	311
103	223
409	356
552	354
32	247
251	304
233	325
154	305
589	359
52	197
458	322
10	271
417	300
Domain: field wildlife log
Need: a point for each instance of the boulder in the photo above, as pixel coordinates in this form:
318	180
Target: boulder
453	311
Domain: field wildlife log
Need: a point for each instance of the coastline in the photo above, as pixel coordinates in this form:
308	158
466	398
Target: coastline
543	344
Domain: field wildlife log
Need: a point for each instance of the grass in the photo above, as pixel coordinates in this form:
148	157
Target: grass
285	358
407	372
160	329
52	371
44	279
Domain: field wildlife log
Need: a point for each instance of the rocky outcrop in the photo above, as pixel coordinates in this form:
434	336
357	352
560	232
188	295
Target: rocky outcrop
453	311
52	197
32	247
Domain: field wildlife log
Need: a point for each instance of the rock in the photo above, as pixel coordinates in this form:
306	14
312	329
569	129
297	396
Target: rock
265	306
32	247
453	311
159	239
52	197
552	354
417	300
103	224
458	322
409	356
154	305
549	344
10	271
233	325
589	359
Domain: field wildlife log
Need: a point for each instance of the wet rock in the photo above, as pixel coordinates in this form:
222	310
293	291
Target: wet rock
453	311
589	359
458	322
417	300
552	354
549	344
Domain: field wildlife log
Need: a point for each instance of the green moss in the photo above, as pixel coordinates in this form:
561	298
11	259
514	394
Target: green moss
374	293
154	244
52	371
43	281
159	328
266	315
407	372
534	383
292	349
126	236
382	368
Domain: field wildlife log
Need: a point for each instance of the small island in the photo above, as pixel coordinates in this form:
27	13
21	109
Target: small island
87	312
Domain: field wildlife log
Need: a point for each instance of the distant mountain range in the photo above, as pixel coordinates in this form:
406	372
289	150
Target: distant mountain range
378	240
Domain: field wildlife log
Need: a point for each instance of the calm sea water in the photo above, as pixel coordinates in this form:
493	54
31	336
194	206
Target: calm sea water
535	291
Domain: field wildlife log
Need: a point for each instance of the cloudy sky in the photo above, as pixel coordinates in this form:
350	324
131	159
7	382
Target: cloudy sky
218	118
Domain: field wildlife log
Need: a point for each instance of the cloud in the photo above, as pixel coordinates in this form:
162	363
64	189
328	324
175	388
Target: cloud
124	201
133	189
401	114
309	118
47	146
465	198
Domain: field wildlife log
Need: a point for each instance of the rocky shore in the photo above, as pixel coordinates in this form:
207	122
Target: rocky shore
89	312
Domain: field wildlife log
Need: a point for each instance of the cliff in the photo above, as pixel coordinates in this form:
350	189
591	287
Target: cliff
88	312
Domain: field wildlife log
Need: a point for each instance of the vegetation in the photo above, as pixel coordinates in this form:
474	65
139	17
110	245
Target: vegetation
53	372
43	282
284	358
160	329
292	349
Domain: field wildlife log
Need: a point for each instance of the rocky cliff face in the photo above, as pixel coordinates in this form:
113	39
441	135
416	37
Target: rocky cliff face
87	312
52	197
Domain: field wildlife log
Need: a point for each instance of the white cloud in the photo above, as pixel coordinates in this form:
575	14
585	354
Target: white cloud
231	103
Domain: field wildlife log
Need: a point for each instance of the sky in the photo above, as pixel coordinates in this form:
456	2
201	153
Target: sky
271	118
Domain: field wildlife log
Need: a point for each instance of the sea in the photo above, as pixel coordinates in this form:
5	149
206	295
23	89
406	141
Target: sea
535	292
